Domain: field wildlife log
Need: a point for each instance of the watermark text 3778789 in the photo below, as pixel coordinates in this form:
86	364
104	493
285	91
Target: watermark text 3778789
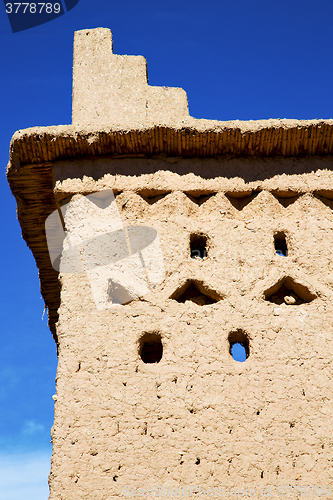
33	8
25	15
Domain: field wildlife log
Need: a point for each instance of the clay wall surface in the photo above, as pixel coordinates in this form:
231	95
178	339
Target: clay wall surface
198	417
103	82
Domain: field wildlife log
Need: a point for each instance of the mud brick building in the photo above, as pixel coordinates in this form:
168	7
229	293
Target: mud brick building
217	233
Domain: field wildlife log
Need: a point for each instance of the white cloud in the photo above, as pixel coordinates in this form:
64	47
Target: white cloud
31	427
24	476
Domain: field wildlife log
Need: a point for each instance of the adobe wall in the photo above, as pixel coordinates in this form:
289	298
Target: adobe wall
110	88
198	417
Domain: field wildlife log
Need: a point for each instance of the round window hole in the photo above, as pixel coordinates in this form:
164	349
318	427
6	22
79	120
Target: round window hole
151	348
239	346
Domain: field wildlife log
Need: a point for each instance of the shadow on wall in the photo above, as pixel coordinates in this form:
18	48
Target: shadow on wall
249	168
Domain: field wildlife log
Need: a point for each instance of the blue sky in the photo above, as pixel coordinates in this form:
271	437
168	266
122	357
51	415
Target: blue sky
235	59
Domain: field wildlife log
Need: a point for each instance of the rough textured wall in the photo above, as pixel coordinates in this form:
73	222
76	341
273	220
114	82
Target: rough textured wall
112	88
198	417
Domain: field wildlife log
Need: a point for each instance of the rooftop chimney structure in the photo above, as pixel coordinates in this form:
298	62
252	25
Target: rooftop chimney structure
162	241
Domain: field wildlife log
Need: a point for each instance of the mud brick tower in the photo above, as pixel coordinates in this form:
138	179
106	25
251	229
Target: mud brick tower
161	241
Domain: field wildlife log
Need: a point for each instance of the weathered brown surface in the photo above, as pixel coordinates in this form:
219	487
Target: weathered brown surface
120	422
191	138
197	417
103	82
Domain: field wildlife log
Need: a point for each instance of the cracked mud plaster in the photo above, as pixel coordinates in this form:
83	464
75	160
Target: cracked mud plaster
198	417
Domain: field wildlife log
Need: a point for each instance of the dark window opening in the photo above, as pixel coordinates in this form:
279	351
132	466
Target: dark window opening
196	292
198	244
280	245
289	292
151	348
239	346
117	294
